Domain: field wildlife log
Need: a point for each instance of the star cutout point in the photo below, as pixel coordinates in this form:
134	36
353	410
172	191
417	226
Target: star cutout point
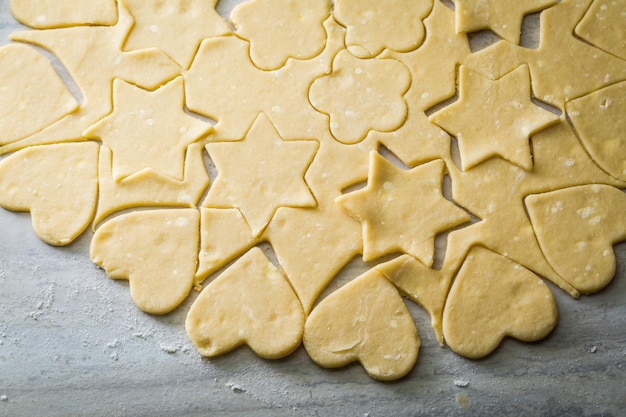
261	173
402	210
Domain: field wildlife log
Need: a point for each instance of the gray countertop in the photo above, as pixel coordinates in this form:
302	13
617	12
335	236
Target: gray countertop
72	343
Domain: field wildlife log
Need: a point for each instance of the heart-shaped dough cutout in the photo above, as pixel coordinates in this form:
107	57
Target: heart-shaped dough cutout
156	250
250	303
366	321
493	297
576	228
58	184
33	95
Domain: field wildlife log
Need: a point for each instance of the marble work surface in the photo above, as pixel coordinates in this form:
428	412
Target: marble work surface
73	344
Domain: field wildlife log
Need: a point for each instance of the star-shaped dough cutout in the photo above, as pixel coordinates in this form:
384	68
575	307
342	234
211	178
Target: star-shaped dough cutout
175	26
494	118
148	129
402	210
503	17
261	173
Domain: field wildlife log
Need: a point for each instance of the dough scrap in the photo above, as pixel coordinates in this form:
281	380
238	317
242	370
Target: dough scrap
58	184
175	26
155	250
360	95
604	25
29	89
148	130
494	118
402	210
148	188
48	14
298	32
372	25
600	124
366	321
250	303
577	228
503	17
491	298
273	176
93	57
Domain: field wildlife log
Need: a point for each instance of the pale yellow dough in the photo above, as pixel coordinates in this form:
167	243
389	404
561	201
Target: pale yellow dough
491	298
46	14
155	250
250	303
577	228
30	90
604	25
58	184
366	321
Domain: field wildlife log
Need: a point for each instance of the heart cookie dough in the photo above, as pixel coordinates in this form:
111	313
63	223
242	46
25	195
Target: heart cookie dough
366	321
492	298
58	184
155	250
250	303
576	228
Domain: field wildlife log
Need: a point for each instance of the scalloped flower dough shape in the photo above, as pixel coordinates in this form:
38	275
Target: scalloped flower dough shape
360	95
576	228
297	32
402	210
600	123
260	173
373	25
58	184
491	298
32	95
503	17
494	118
604	25
148	129
155	250
48	14
250	303
175	26
367	321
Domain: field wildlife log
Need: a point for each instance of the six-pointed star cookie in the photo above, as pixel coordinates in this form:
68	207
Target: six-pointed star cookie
148	129
494	118
175	26
503	17
261	173
402	210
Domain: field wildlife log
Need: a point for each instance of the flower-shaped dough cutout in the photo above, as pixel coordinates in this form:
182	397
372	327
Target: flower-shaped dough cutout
402	210
46	14
491	298
373	25
148	129
30	90
600	124
250	303
148	188
366	321
155	250
361	95
175	26
297	32
604	25
261	173
93	57
503	17
576	228
494	118
58	184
